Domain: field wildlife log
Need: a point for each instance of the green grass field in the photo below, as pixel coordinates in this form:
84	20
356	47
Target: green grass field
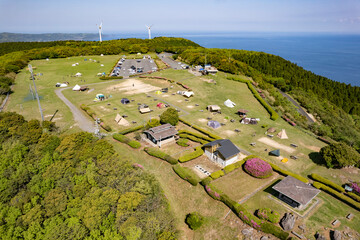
182	196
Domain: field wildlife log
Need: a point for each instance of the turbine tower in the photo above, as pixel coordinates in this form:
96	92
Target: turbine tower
149	30
100	31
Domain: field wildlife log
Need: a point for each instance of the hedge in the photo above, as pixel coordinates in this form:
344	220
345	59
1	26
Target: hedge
130	130
213	192
186	174
155	152
206	138
128	141
287	173
268	215
92	114
327	182
192	138
353	196
209	134
276	231
206	181
338	195
217	174
183	142
190	156
110	78
273	114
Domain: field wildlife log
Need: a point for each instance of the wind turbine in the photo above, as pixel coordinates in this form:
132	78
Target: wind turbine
149	30
100	31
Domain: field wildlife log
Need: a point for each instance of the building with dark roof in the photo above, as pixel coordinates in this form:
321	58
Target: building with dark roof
222	152
295	192
161	134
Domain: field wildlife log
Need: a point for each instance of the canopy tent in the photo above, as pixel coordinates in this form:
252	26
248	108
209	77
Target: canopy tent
76	88
121	121
229	103
282	134
78	74
125	101
213	124
188	94
275	152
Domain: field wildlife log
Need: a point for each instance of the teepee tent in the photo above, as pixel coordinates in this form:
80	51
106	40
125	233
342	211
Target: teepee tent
76	88
282	134
121	121
229	103
275	152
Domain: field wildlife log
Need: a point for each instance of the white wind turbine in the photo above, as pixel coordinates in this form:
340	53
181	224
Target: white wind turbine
100	31
149	30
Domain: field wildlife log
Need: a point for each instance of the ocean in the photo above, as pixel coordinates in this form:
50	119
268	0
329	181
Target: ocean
336	57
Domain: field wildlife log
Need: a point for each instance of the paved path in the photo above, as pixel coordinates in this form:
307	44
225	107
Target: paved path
299	108
167	58
84	122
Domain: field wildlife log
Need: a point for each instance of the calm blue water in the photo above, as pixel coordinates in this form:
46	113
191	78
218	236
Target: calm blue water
334	56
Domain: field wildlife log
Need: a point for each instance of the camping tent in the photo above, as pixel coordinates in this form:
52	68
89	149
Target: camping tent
121	121
275	152
100	96
213	108
229	103
158	92
188	94
76	88
213	124
282	134
271	130
63	85
125	101
78	74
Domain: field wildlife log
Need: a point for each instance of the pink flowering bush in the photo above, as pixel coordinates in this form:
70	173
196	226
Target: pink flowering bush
356	187
268	215
258	168
214	194
247	218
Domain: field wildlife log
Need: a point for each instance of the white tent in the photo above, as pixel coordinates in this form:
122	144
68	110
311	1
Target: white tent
229	103
121	121
73	65
101	65
63	85
282	134
188	94
78	74
76	88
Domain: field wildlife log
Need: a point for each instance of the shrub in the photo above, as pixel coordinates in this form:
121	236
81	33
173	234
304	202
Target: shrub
258	168
190	156
356	187
353	196
327	182
186	174
130	130
213	192
152	123
206	181
217	174
106	127
134	144
233	166
338	195
270	228
194	220
206	138
183	142
128	141
155	152
170	115
268	215
339	155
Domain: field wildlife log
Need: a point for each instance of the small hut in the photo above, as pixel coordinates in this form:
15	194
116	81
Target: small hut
213	108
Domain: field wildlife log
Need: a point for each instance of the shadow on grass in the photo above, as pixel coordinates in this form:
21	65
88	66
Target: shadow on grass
316	158
270	190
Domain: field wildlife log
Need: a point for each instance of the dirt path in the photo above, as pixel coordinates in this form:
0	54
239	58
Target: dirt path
80	118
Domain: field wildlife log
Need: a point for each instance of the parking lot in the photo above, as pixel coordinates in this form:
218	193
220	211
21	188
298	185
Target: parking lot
127	67
167	58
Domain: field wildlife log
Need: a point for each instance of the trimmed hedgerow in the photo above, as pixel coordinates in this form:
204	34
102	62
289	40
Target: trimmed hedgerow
206	138
209	134
206	181
213	192
338	195
327	182
192	138
190	156
186	174
268	215
155	152
258	168
287	173
130	130
128	141
276	231
353	196
217	174
92	114
183	142
110	78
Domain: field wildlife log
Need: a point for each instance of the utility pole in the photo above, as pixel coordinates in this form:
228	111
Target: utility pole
36	93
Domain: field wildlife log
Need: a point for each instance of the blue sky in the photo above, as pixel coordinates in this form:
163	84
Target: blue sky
40	16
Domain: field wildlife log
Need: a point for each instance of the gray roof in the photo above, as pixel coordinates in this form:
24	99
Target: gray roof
162	131
296	190
227	149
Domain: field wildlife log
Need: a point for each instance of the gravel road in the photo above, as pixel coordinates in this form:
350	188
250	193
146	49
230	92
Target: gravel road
84	122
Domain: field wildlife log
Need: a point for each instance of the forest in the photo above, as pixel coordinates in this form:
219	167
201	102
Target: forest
74	187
